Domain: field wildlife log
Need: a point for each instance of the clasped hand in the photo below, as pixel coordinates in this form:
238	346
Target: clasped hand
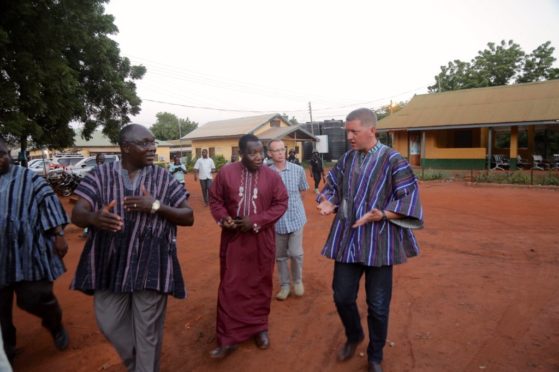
243	224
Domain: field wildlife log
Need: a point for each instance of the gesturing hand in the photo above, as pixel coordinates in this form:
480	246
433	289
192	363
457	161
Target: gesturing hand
105	220
325	207
373	215
140	203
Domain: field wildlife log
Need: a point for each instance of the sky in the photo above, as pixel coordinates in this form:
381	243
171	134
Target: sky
220	59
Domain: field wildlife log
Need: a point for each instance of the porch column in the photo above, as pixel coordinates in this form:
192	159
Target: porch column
513	147
489	147
531	141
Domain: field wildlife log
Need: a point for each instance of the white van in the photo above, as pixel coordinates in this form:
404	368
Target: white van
85	165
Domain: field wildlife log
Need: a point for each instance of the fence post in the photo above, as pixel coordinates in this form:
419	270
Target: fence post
531	176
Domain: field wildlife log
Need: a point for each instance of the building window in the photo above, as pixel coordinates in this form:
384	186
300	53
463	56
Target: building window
275	123
198	152
211	152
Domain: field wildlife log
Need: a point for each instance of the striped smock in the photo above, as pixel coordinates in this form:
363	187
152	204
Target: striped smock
29	208
143	255
380	179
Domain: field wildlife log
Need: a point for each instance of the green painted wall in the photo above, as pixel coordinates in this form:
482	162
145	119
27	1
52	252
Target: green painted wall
454	163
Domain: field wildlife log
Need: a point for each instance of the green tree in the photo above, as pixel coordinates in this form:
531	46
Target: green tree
57	65
391	108
167	126
292	121
499	64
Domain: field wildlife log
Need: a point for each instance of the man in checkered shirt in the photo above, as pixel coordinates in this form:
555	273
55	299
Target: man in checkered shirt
289	229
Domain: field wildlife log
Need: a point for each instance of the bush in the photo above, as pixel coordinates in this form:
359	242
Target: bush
430	175
550	179
219	161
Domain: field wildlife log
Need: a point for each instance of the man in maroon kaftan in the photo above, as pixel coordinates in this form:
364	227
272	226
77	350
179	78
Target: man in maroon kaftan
246	199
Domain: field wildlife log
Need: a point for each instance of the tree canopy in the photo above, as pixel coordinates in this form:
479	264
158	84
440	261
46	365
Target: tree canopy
391	108
167	126
499	64
57	65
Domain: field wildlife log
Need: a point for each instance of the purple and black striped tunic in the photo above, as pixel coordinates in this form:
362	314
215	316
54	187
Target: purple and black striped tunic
358	183
29	208
142	256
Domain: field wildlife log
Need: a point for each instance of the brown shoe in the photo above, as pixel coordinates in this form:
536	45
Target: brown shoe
221	352
262	340
348	350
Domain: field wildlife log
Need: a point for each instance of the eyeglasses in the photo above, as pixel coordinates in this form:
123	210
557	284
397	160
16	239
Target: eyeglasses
278	150
144	144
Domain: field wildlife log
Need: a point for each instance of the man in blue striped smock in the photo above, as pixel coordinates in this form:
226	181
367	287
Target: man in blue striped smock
374	194
129	262
289	228
32	245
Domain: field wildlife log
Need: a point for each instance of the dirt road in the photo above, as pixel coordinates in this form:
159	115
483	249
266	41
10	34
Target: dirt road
483	295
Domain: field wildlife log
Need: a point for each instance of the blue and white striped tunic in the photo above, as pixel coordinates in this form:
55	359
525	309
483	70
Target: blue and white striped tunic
380	179
143	255
29	208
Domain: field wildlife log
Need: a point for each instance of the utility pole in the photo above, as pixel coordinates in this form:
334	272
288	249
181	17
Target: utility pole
310	113
180	137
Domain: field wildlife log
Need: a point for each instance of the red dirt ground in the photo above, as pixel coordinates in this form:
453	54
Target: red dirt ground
483	295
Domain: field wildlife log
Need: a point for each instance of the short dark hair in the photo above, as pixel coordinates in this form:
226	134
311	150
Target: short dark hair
124	135
246	139
364	115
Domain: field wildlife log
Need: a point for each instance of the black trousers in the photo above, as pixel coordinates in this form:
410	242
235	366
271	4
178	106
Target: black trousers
36	298
317	177
378	288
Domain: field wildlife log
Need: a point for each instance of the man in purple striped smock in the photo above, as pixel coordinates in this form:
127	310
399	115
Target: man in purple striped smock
129	262
374	194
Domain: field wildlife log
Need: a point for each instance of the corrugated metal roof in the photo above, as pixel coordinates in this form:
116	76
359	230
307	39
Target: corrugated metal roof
295	131
231	127
98	139
531	102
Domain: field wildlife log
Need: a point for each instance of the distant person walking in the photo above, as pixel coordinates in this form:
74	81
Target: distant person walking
375	198
203	169
178	170
100	159
289	228
292	158
317	170
32	246
129	262
246	200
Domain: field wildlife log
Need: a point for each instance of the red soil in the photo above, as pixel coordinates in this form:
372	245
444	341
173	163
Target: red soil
483	294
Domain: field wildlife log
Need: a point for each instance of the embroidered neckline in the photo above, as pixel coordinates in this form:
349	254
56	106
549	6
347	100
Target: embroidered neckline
247	197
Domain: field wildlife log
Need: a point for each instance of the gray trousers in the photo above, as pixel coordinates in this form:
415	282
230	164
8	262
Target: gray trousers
4	364
289	247
133	323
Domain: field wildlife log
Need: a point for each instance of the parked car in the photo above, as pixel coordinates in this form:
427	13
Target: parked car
65	161
83	167
39	165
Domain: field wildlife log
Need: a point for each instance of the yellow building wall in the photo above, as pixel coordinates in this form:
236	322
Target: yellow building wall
400	143
434	152
221	146
224	146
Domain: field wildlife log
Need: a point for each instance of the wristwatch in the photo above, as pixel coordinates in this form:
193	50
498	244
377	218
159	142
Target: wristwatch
155	206
384	218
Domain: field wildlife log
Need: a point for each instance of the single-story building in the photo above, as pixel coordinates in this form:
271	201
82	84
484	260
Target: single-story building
222	137
464	129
